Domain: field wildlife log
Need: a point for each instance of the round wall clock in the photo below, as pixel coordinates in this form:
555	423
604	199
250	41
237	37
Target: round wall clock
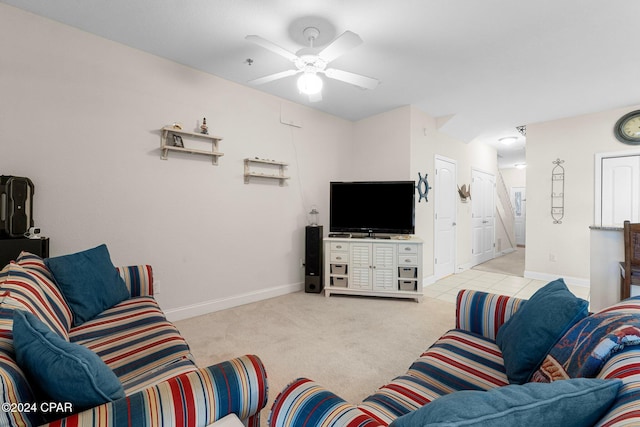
627	129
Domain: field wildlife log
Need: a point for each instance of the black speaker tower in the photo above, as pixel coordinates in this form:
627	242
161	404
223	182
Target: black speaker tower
313	259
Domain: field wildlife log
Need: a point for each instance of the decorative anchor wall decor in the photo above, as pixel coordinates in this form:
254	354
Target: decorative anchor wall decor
557	192
423	187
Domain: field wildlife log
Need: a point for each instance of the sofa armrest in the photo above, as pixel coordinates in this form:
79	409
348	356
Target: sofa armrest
624	365
483	313
193	399
305	403
139	279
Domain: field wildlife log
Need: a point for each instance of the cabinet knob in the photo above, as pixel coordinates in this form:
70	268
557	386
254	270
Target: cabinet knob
339	246
407	260
407	248
338	257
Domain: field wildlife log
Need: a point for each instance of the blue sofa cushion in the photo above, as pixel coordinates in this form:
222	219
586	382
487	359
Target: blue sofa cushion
527	337
571	403
66	372
89	282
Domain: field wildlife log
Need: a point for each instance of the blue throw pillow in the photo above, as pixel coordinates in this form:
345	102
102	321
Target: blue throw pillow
89	282
64	371
532	331
577	402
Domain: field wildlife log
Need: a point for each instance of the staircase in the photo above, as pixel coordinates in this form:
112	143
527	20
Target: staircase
505	225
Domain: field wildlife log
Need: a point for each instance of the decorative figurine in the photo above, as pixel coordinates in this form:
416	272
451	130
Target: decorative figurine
204	129
312	217
464	192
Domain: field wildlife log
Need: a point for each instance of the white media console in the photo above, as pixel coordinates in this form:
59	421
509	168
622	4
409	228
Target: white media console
373	267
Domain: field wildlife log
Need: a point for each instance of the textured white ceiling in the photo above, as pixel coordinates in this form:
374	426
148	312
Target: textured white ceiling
491	64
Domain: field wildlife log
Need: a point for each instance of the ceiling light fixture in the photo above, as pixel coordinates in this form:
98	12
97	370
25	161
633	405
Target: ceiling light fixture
520	165
309	83
508	140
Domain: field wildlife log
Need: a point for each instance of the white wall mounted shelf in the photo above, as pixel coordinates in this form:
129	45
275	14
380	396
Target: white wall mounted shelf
165	147
279	175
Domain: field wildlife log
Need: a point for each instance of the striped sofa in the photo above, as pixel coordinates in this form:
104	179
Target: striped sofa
465	358
162	384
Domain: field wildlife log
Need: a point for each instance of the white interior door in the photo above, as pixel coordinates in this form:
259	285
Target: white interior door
483	209
620	190
445	190
519	203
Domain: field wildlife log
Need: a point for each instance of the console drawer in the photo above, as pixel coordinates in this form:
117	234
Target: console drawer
339	246
407	249
407	285
408	272
338	268
339	257
340	282
407	259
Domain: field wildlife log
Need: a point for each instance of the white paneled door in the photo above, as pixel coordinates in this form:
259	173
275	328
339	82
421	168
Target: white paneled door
446	191
620	190
483	209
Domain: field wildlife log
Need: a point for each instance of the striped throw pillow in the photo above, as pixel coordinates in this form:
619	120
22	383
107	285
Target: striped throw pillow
23	289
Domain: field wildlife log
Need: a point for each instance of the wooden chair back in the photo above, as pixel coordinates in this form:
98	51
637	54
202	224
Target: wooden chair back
630	269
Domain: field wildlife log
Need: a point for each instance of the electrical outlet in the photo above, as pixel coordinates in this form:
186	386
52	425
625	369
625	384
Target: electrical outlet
301	262
552	257
156	287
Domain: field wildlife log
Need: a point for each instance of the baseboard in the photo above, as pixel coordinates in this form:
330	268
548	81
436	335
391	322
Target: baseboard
428	280
576	281
464	267
504	252
211	306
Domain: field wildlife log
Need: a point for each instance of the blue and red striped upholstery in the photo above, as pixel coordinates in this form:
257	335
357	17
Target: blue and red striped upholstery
465	358
136	341
139	279
306	403
626	409
145	351
624	365
25	288
484	313
192	399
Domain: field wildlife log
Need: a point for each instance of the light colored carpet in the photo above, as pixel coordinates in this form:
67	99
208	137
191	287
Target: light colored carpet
350	345
511	264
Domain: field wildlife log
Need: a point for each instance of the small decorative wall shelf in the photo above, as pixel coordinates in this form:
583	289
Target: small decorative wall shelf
169	135
277	166
557	192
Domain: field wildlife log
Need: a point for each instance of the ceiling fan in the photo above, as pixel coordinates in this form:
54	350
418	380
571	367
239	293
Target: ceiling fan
309	62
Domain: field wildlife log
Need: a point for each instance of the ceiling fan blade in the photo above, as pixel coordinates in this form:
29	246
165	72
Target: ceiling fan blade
352	78
272	47
316	97
345	42
272	77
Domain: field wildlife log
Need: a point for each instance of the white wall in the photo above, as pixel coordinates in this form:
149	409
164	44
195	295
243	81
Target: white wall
381	146
80	116
514	177
575	140
398	144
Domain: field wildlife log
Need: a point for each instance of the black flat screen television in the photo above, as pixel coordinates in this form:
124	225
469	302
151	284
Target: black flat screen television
372	207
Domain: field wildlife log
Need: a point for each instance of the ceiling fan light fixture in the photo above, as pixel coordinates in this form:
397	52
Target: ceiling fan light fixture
310	83
508	140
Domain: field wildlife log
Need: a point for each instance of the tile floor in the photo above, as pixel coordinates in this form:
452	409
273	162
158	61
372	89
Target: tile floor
447	288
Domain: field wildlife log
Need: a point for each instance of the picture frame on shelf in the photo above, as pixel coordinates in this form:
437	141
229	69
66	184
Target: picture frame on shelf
177	141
